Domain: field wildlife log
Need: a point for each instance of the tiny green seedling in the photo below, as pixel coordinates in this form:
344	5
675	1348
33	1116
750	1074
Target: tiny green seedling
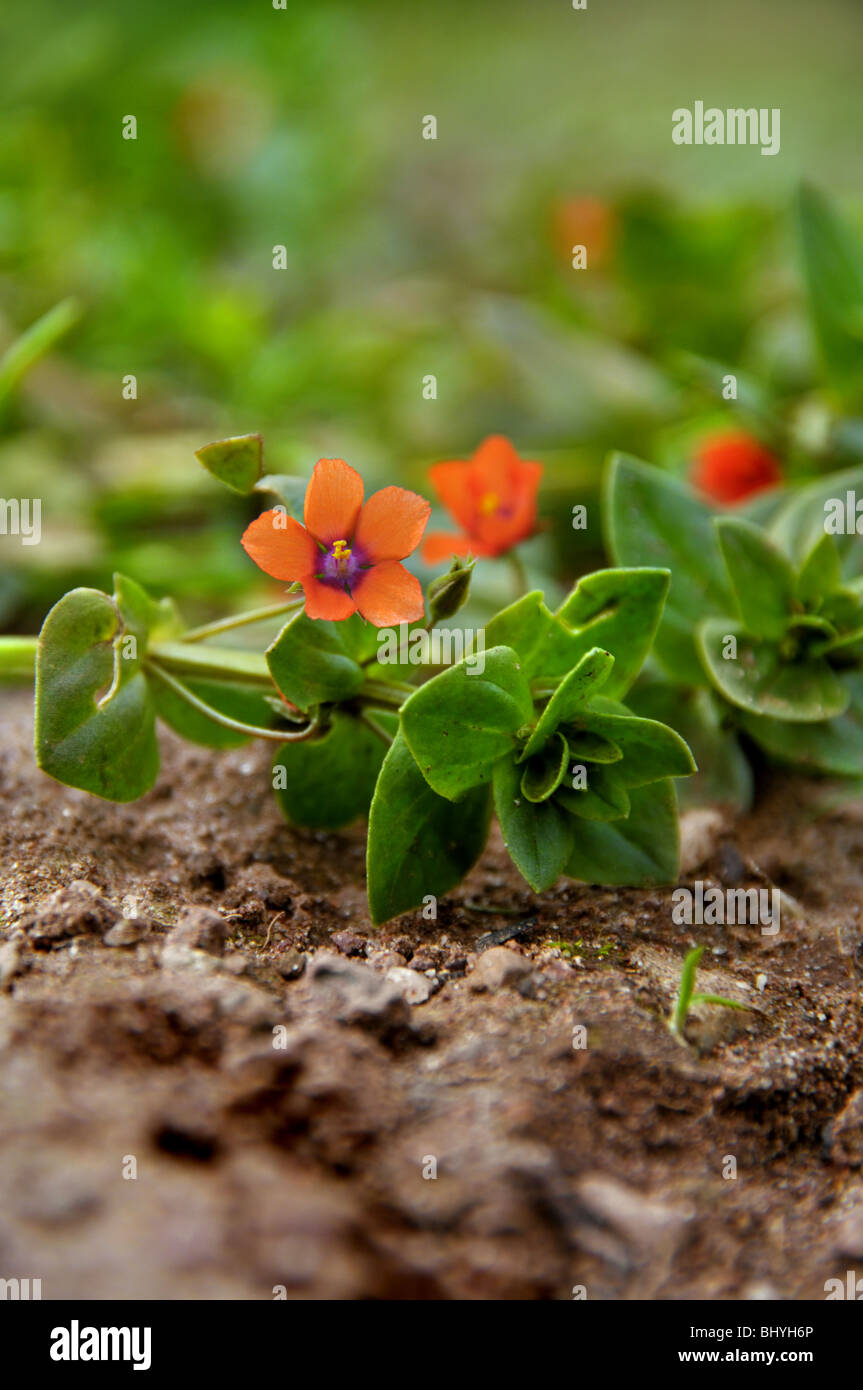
686	998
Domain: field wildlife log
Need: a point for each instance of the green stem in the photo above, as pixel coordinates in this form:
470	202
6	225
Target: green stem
390	694
255	615
516	564
233	664
236	725
366	718
17	659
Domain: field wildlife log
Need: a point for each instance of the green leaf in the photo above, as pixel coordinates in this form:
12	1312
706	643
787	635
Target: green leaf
288	489
724	775
834	746
821	572
537	836
546	770
651	751
570	697
677	1023
652	519
419	843
237	462
459	723
761	577
311	662
618	610
818	508
95	722
329	781
641	850
34	344
240	702
585	747
604	798
760	680
544	646
833	271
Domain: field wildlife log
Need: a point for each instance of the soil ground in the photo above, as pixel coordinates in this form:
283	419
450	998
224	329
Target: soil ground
183	1117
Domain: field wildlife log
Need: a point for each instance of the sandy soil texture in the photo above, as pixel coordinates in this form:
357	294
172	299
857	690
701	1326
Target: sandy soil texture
218	1080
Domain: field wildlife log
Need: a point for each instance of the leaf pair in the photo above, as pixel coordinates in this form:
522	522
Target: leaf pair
580	785
772	616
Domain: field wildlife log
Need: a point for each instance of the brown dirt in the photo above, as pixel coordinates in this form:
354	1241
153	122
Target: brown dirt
305	1164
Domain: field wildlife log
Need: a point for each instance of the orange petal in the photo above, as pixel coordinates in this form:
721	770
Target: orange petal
333	500
280	546
391	525
388	594
516	520
439	545
326	601
451	482
495	467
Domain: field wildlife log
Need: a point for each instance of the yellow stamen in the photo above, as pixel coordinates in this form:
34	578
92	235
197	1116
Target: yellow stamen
340	550
489	503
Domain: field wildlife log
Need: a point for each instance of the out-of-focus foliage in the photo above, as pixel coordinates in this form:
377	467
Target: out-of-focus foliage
404	258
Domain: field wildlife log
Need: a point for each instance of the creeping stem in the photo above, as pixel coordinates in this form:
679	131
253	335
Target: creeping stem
388	692
256	615
17	658
237	725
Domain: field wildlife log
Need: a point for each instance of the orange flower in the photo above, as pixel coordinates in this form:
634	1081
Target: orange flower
346	556
588	222
731	467
492	497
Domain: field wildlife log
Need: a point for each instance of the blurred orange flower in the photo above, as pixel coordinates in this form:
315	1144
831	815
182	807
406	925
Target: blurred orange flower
491	496
585	221
346	556
730	467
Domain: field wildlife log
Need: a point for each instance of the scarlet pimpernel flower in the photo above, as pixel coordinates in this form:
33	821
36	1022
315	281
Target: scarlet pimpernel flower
346	556
491	496
732	466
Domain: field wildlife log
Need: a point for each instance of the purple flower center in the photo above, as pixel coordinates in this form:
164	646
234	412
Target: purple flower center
341	566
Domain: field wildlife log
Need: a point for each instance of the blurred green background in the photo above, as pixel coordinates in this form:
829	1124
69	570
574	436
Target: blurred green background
302	127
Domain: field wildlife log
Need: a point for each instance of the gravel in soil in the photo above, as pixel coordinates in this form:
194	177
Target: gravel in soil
219	1081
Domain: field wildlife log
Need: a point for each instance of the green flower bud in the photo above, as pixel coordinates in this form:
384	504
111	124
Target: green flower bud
449	592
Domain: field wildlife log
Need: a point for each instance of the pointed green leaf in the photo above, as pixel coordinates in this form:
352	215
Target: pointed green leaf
821	572
761	577
570	697
651	751
236	462
833	269
459	723
418	842
638	851
824	506
651	519
537	836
